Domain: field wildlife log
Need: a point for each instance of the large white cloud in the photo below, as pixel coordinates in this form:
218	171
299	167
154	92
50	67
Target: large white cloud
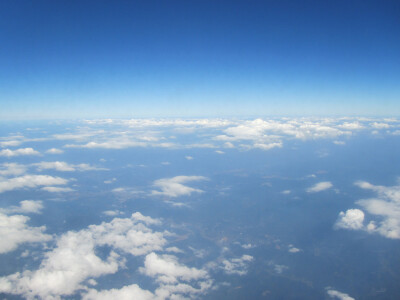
75	260
14	231
174	187
18	152
30	181
385	207
320	186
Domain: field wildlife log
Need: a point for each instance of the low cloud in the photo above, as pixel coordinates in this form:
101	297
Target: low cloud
30	181
351	219
321	186
25	207
338	295
65	167
18	152
174	187
14	231
237	266
12	169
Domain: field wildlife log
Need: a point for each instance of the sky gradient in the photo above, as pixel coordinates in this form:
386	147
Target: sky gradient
89	59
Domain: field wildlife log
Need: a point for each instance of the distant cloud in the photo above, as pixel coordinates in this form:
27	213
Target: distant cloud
30	181
56	189
174	187
293	249
219	152
321	186
18	152
338	295
341	143
188	157
15	231
25	207
55	151
65	167
237	266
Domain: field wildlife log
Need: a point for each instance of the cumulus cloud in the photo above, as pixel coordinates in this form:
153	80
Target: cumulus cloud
321	186
351	219
386	207
18	152
174	187
166	269
237	266
14	231
74	259
128	292
25	207
12	169
30	181
338	295
65	167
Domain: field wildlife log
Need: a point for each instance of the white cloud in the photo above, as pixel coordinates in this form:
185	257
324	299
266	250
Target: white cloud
267	146
386	206
56	189
341	143
25	207
219	152
74	260
174	187
30	181
13	169
321	186
338	295
18	152
293	249
55	151
237	266
11	143
166	269
65	167
352	219
188	157
128	292
15	231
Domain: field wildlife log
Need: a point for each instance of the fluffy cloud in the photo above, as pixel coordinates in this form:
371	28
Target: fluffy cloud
30	181
25	207
338	295
174	187
351	219
18	152
166	269
236	266
321	186
74	259
12	169
15	231
128	292
65	167
386	207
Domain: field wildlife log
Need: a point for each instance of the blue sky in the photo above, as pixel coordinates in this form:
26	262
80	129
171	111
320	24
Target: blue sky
68	59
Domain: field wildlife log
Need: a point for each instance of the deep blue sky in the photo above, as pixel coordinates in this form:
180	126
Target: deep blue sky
198	58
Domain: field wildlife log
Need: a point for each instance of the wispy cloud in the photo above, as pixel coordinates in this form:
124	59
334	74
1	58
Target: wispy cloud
18	152
320	186
174	187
